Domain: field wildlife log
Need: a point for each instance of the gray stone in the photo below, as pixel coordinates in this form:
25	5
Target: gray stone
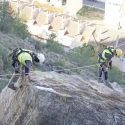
63	100
1	63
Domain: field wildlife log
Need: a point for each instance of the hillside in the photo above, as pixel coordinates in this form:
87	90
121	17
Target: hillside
58	99
72	97
62	91
51	98
75	61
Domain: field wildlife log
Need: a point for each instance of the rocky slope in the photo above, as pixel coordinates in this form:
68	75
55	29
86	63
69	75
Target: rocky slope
60	99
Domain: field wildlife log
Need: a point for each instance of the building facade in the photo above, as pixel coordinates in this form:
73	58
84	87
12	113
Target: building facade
115	13
68	6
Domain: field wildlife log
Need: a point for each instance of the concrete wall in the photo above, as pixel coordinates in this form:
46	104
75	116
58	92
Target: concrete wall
122	22
56	3
119	63
112	12
73	6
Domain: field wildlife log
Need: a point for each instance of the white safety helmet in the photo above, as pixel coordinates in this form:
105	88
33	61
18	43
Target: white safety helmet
41	57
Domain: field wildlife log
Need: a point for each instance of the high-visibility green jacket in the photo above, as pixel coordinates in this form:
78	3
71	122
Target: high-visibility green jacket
106	54
23	57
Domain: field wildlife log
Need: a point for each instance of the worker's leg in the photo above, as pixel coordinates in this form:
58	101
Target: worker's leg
105	73
105	77
17	69
99	74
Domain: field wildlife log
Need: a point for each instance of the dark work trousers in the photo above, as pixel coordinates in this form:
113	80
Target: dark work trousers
102	73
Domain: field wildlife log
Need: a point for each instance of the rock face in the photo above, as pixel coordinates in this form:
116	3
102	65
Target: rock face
60	99
1	63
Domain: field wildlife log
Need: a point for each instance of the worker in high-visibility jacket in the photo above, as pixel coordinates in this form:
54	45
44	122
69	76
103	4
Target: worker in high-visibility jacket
105	62
22	58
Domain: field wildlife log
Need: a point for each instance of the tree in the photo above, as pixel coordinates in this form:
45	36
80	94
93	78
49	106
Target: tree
10	22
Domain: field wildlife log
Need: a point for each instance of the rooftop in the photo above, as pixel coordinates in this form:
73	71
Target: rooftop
41	18
56	24
72	29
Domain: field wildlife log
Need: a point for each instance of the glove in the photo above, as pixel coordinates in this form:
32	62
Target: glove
98	65
106	69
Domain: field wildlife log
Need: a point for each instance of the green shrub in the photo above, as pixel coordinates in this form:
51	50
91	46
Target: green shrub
4	54
38	45
6	20
115	75
54	46
52	36
93	69
20	28
82	55
3	83
59	62
11	23
86	10
91	12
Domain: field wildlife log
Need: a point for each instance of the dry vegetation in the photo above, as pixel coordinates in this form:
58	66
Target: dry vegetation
90	13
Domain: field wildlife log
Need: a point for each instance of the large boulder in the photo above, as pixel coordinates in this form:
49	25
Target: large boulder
60	99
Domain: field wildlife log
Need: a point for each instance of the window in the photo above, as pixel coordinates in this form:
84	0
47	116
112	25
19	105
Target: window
64	2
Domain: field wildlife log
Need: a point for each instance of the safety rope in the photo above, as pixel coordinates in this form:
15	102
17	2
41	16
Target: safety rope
6	99
50	71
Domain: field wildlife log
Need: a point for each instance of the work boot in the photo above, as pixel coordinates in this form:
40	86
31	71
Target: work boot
100	80
107	83
11	86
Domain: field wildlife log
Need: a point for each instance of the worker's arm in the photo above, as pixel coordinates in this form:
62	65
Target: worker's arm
27	67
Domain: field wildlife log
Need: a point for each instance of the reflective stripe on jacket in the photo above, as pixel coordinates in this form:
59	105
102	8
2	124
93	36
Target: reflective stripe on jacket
102	58
22	57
